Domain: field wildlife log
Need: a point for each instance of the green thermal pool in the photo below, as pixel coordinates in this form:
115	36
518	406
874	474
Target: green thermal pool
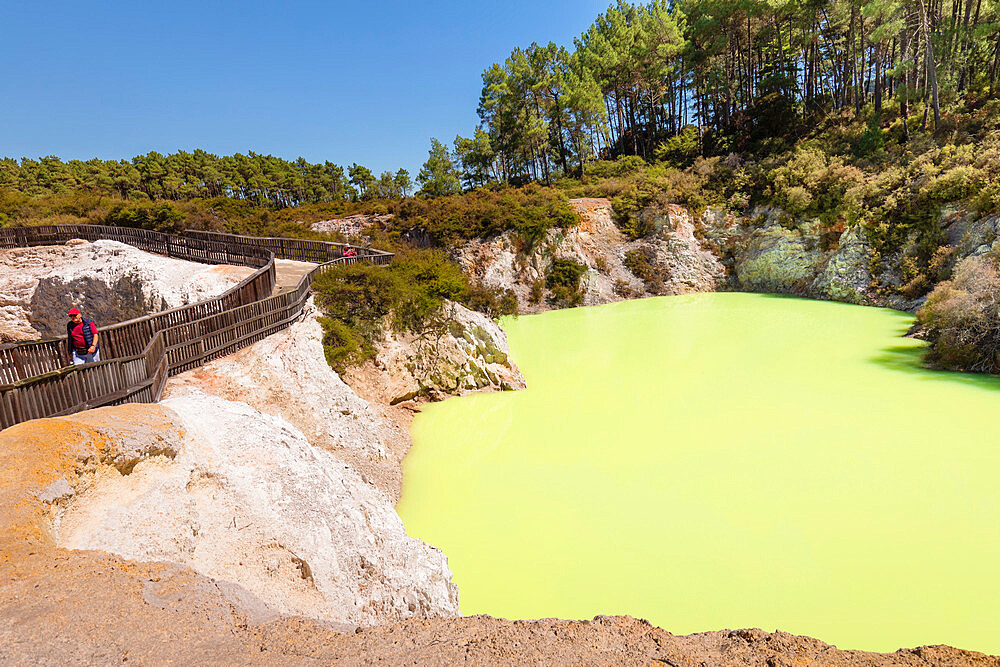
722	461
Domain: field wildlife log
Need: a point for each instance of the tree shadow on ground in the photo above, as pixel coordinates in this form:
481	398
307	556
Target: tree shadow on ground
910	359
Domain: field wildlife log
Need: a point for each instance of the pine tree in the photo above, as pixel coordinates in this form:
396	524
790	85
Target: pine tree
438	176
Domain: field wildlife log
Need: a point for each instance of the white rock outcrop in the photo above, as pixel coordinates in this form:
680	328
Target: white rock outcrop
676	257
686	265
466	352
286	375
248	500
352	226
109	281
284	480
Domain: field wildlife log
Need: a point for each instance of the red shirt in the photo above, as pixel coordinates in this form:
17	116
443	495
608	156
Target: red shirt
79	342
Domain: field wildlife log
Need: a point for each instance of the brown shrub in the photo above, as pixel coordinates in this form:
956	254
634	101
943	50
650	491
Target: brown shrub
961	318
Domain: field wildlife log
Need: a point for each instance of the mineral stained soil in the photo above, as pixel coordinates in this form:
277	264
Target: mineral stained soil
722	461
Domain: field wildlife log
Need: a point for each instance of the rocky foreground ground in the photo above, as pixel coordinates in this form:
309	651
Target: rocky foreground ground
60	607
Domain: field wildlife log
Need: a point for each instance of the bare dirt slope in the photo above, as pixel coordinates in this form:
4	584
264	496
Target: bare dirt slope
86	607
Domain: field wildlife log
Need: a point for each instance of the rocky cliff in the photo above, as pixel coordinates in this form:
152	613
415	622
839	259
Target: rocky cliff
464	351
774	252
764	250
244	498
674	261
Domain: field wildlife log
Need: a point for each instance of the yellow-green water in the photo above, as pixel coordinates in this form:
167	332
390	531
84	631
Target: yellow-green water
722	461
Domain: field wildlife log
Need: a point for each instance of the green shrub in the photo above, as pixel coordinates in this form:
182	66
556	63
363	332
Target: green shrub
797	199
679	150
623	289
344	346
563	282
813	183
628	210
642	264
623	166
872	142
955	184
537	291
529	212
492	301
360	300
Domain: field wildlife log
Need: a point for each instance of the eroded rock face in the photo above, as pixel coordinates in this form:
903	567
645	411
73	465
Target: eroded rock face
776	258
677	261
969	235
689	267
286	375
846	276
766	250
246	499
109	281
468	352
774	253
283	486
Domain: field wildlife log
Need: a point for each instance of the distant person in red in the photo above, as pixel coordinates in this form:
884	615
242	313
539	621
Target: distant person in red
350	254
82	339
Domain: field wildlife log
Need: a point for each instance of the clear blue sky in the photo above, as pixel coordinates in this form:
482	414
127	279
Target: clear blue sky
348	82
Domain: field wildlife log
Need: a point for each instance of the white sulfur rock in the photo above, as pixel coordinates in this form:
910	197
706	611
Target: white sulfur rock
248	500
286	374
679	261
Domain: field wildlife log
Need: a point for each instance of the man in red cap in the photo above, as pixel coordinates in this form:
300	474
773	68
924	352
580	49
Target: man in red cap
81	337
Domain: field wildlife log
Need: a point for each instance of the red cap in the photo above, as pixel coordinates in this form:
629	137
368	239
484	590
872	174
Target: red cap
73	311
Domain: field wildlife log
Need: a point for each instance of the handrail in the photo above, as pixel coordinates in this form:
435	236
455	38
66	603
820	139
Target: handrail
301	249
143	352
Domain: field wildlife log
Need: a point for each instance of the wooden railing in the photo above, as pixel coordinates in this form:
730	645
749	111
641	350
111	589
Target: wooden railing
140	354
303	250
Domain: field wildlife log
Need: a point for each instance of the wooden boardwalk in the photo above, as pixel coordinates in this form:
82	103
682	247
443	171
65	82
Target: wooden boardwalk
288	273
139	355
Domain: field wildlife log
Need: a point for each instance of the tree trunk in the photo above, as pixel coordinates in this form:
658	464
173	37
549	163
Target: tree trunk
904	102
931	69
